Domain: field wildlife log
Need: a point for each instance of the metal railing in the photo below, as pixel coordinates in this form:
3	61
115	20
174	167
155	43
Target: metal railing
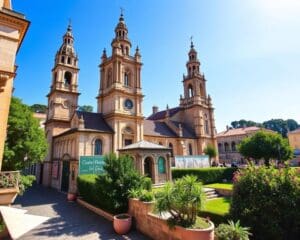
9	179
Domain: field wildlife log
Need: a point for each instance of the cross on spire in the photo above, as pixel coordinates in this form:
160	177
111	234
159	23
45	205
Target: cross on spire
70	24
192	44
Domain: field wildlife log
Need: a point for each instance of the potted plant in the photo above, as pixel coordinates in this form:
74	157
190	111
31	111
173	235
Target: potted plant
9	187
71	196
182	200
122	223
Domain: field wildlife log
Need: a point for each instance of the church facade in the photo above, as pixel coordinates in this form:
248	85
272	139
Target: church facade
119	124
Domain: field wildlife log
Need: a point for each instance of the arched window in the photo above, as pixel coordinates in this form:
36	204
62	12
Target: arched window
190	71
206	124
127	50
233	146
62	59
190	149
161	165
171	146
122	49
126	79
194	69
109	78
69	60
67	79
220	147
98	147
55	77
226	146
190	91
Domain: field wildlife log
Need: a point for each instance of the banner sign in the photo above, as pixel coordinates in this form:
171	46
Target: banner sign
91	164
193	161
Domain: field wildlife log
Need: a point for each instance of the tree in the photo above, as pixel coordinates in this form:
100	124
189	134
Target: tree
292	124
38	108
25	143
266	145
267	200
85	108
114	185
211	151
245	123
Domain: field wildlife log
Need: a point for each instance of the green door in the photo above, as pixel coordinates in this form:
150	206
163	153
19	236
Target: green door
65	176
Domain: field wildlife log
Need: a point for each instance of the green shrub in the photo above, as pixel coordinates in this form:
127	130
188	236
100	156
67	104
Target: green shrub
111	190
26	181
146	196
205	175
86	185
268	201
142	194
232	231
182	200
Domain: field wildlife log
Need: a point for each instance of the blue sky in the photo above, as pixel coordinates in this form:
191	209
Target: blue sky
249	51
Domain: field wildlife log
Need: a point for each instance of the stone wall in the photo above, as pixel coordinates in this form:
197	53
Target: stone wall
157	228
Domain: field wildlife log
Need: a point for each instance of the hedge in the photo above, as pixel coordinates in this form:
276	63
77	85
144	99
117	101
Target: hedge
205	175
87	188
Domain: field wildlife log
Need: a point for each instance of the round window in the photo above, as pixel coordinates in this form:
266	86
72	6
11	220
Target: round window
128	104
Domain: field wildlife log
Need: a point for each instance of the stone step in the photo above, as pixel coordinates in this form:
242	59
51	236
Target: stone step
212	196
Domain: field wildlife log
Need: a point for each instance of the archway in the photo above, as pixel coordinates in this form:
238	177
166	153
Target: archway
148	167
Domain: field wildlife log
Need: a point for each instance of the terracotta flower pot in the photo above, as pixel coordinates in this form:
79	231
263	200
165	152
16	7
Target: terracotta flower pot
8	195
122	223
203	234
71	196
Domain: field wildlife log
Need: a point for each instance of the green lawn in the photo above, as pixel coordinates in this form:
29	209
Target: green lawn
218	206
227	186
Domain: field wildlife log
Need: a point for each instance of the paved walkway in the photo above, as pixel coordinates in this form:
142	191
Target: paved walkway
68	220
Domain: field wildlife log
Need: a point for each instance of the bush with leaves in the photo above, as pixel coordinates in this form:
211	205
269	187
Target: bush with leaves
267	200
232	231
182	200
113	186
26	181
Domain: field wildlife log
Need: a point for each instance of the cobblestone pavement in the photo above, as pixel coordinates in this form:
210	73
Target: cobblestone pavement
68	220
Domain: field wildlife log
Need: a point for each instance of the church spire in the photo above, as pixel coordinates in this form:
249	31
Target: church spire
193	64
121	43
66	54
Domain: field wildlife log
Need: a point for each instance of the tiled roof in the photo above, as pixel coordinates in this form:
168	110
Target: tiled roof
162	114
238	131
154	128
94	121
143	145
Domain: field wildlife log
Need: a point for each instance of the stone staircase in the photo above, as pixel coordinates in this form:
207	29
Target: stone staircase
210	193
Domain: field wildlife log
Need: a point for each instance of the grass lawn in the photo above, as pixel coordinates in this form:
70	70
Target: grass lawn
218	206
227	186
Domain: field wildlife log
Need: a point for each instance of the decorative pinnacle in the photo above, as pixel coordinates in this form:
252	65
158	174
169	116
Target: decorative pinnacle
121	19
192	44
70	25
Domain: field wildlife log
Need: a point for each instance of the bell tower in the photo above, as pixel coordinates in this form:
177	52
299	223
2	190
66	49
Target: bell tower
63	96
120	93
196	103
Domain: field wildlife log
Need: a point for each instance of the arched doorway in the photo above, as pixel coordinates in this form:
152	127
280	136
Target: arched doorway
65	173
148	167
